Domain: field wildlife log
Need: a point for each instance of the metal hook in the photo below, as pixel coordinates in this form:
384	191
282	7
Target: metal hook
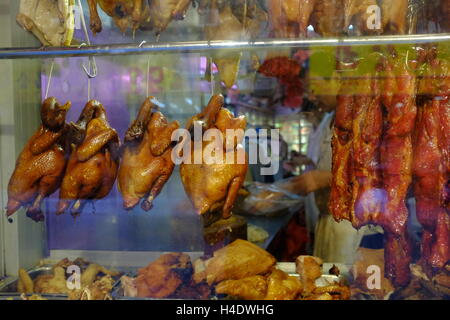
92	72
142	43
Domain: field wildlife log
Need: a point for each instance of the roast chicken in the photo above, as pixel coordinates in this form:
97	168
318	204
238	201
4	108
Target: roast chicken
290	18
224	24
212	179
93	163
125	14
146	160
40	166
162	12
51	21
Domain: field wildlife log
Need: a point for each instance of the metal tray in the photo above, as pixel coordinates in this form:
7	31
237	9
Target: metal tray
9	288
288	267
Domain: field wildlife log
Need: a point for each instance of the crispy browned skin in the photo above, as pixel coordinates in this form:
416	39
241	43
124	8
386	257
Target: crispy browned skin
40	166
162	12
213	187
250	288
281	286
399	95
328	17
290	18
164	276
238	260
125	13
93	164
309	269
432	163
146	161
394	14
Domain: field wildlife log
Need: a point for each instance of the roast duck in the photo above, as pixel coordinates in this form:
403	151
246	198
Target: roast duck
138	14
41	164
146	159
94	160
291	18
211	179
390	136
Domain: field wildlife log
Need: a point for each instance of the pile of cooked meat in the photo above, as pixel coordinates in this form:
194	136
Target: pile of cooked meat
239	270
391	136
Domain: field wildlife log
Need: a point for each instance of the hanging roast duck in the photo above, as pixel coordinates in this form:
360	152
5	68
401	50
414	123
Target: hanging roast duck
40	166
93	163
146	160
212	186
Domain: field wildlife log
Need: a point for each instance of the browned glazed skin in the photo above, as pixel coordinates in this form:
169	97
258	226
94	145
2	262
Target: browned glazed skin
214	187
125	13
290	18
432	163
146	161
93	164
162	12
40	166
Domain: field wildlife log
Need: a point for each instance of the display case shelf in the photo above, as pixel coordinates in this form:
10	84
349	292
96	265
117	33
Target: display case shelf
199	46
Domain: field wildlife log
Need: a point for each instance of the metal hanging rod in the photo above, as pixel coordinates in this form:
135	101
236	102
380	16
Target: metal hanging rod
198	46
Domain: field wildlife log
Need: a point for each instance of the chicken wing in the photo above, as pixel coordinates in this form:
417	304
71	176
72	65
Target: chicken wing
146	161
281	286
92	167
216	169
40	166
238	260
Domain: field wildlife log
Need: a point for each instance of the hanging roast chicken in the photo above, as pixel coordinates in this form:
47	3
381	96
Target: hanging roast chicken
146	160
93	164
125	14
40	166
210	185
226	22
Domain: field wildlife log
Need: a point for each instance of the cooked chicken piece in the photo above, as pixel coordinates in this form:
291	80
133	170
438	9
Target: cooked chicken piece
337	291
162	12
328	17
356	14
90	274
281	286
125	13
213	184
238	260
93	164
290	18
164	276
250	288
51	21
394	14
55	283
146	161
40	166
310	269
25	284
128	285
97	290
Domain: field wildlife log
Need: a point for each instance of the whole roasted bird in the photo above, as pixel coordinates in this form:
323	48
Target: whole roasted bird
290	18
216	168
93	164
40	166
146	160
224	23
125	13
162	12
432	162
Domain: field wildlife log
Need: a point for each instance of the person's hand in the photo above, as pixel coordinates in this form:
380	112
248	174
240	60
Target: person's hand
312	181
